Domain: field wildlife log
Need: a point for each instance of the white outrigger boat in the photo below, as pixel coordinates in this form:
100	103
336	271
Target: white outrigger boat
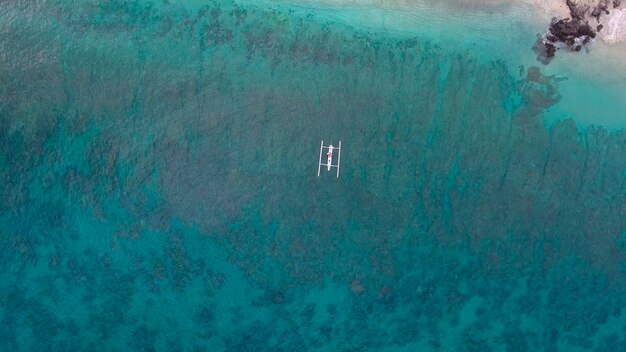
329	155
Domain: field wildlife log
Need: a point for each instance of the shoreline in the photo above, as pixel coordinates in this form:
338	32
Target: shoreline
504	33
418	18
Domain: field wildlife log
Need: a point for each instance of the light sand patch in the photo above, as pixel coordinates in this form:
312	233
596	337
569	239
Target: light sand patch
614	30
553	8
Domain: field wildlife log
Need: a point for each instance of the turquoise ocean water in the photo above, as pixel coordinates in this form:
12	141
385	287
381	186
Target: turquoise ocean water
158	187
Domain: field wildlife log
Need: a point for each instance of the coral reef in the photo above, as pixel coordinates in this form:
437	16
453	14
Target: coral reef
158	190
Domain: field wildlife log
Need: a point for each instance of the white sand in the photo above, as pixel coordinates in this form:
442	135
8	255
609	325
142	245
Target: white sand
614	27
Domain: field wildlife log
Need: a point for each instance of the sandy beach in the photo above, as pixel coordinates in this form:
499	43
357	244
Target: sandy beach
614	23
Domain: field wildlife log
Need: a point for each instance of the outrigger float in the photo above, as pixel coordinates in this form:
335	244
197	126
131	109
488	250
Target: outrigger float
329	156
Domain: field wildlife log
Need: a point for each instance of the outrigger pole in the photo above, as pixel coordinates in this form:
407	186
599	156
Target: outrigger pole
319	163
338	158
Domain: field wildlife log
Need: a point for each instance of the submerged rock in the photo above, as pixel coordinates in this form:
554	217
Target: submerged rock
550	50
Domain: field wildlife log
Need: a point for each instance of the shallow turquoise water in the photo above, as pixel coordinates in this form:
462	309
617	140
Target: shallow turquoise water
159	189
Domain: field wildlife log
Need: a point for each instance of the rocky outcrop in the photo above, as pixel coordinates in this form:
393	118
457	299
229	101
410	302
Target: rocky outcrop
575	32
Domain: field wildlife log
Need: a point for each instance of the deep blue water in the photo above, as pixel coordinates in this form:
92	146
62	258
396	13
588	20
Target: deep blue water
158	189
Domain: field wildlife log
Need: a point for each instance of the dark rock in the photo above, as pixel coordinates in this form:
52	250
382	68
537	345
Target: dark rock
566	28
596	13
577	12
550	49
544	49
602	7
568	33
599	28
616	3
